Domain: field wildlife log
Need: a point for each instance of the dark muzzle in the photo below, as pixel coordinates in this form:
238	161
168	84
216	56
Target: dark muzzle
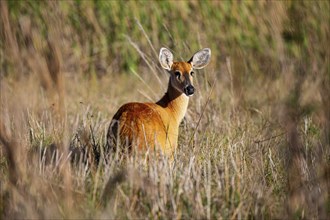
189	90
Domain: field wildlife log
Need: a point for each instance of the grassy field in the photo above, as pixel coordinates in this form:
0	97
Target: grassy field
254	144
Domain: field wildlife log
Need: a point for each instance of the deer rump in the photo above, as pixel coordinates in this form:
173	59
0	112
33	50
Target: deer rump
137	125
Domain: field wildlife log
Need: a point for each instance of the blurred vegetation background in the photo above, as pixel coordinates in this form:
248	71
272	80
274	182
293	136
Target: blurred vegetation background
270	61
93	34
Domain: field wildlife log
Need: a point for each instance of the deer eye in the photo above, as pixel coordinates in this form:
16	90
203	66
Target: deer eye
192	73
177	74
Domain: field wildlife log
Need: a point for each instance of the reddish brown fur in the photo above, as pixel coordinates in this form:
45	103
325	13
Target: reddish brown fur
146	125
156	125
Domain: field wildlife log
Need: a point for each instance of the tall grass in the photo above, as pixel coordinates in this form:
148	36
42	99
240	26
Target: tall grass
254	142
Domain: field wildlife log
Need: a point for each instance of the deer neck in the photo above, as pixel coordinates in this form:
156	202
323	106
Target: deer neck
175	102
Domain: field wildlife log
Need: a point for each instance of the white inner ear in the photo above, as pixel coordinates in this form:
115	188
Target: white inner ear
201	58
165	58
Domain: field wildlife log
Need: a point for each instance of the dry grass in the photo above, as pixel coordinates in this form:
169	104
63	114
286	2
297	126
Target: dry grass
254	142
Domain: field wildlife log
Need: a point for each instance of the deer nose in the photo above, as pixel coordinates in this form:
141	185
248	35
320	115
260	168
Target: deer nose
189	90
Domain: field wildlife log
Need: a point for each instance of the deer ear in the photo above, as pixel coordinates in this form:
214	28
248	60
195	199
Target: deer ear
165	58
201	58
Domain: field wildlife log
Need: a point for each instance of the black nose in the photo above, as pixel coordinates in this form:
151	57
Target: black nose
189	90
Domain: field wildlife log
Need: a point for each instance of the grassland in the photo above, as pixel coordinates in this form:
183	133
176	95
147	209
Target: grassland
255	142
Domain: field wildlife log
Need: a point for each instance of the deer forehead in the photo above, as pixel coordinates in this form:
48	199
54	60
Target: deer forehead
183	67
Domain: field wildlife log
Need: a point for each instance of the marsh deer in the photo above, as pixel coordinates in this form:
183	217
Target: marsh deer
156	125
